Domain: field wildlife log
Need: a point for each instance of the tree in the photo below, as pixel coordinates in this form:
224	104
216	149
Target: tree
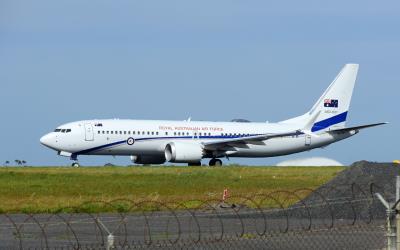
6	163
18	162
23	162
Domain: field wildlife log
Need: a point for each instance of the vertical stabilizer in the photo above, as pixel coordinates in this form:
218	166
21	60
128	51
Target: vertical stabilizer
333	105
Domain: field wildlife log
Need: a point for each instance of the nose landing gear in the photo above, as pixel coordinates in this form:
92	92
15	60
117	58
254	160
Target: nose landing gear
74	158
215	162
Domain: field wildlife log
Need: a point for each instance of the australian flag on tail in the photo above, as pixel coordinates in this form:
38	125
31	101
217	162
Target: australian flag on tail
331	103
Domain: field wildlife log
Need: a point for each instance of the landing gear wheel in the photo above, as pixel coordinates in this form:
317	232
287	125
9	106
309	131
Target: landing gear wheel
75	165
215	162
212	162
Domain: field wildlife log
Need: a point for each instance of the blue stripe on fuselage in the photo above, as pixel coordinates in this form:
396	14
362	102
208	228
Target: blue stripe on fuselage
329	122
159	138
99	147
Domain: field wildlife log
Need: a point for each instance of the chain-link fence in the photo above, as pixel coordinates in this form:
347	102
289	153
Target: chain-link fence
346	216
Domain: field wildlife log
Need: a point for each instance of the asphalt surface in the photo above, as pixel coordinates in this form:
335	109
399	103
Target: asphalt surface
190	229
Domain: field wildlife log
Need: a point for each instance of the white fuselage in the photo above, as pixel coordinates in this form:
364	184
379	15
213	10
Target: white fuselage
110	137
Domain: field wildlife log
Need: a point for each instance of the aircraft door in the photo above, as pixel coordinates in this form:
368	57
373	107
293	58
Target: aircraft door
307	140
89	134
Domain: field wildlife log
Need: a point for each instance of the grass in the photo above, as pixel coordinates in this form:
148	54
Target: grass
50	189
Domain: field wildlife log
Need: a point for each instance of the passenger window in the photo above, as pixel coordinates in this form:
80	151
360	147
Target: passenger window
107	132
174	133
209	134
120	132
152	133
112	132
166	133
103	132
133	132
129	132
148	133
98	132
124	132
156	133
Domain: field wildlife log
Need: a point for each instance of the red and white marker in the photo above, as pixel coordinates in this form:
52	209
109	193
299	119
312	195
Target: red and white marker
225	194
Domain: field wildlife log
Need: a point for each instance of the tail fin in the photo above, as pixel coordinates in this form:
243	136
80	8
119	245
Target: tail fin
334	103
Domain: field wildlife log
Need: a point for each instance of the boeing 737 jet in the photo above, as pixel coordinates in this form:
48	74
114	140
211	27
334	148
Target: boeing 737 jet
157	142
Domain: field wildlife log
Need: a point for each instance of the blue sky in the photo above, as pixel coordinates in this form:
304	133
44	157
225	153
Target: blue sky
63	61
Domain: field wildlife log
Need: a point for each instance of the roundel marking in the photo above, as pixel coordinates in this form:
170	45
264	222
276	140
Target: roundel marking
130	141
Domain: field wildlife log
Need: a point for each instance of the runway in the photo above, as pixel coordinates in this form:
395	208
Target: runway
276	229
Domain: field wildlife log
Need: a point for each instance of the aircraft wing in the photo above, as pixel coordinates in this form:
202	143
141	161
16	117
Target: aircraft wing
246	140
357	127
258	139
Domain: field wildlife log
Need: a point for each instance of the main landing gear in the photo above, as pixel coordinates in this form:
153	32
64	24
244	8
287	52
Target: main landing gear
75	165
215	162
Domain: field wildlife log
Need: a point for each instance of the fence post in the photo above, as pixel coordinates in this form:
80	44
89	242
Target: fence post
110	237
391	237
110	242
397	212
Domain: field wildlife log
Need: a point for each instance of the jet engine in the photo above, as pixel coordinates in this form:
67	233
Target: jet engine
148	159
183	152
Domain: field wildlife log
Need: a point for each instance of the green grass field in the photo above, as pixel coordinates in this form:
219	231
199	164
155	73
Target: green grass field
47	189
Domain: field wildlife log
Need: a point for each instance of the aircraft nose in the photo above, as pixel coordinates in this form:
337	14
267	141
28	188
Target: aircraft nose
45	140
49	140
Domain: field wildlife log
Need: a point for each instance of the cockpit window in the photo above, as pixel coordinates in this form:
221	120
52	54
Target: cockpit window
58	130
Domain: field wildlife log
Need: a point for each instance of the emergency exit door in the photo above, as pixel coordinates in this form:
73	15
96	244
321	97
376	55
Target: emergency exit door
89	135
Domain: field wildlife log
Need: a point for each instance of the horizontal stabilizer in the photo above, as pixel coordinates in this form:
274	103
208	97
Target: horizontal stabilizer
359	127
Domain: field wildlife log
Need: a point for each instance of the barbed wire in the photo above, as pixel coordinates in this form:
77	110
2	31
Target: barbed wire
267	220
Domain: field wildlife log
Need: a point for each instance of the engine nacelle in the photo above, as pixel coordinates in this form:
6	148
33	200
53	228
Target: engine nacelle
183	152
147	159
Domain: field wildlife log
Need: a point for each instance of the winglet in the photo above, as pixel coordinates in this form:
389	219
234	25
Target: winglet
310	123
